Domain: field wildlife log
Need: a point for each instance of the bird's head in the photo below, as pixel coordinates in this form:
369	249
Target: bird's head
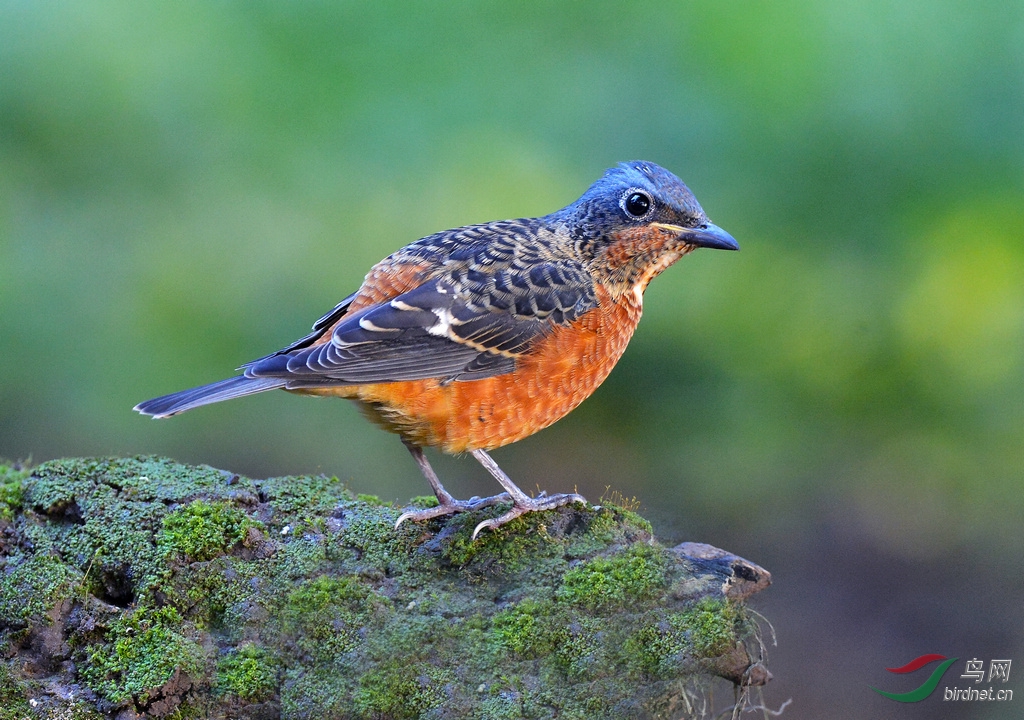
636	220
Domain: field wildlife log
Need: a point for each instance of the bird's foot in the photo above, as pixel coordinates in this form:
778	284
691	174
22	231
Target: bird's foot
451	506
541	502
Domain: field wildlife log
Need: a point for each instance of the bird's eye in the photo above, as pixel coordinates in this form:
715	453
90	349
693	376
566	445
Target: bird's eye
636	204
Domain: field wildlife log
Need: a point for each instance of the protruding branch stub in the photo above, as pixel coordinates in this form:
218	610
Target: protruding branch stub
741	578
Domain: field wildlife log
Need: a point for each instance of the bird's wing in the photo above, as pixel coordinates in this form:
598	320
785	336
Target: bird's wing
471	323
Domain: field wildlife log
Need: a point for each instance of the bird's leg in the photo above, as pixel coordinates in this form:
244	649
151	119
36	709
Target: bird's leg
447	505
522	503
443	496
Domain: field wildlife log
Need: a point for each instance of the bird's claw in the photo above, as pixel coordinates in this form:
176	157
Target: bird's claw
542	502
451	507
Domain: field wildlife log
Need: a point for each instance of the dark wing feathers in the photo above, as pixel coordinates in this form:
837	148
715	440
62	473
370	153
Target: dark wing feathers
470	325
500	333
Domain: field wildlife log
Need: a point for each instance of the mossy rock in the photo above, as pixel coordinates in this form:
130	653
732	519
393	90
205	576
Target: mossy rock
140	587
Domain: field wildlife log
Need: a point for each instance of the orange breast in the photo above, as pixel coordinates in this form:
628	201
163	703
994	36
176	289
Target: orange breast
557	374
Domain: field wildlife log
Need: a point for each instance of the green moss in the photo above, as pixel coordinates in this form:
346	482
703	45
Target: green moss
13	703
219	596
626	516
501	707
623	509
417	637
577	648
521	629
606	526
12	492
370	499
73	710
186	711
35	585
235	592
325	614
650	650
711	626
706	630
570	643
319	690
142	651
505	547
370	533
304	496
249	673
203	530
325	592
140	479
601	583
424	501
397	690
104	514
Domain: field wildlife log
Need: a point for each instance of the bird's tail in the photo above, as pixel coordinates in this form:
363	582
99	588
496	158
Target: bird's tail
178	402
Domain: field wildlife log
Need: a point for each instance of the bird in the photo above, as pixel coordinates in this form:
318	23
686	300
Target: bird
473	338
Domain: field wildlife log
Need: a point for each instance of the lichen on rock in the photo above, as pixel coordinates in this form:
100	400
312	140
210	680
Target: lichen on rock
140	587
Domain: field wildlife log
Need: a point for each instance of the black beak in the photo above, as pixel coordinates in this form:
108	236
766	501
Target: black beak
710	236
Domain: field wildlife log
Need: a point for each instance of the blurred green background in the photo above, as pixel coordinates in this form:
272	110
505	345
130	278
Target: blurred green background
185	187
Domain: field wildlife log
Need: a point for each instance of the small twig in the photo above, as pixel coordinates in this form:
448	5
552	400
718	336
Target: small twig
81	583
775	640
741	707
